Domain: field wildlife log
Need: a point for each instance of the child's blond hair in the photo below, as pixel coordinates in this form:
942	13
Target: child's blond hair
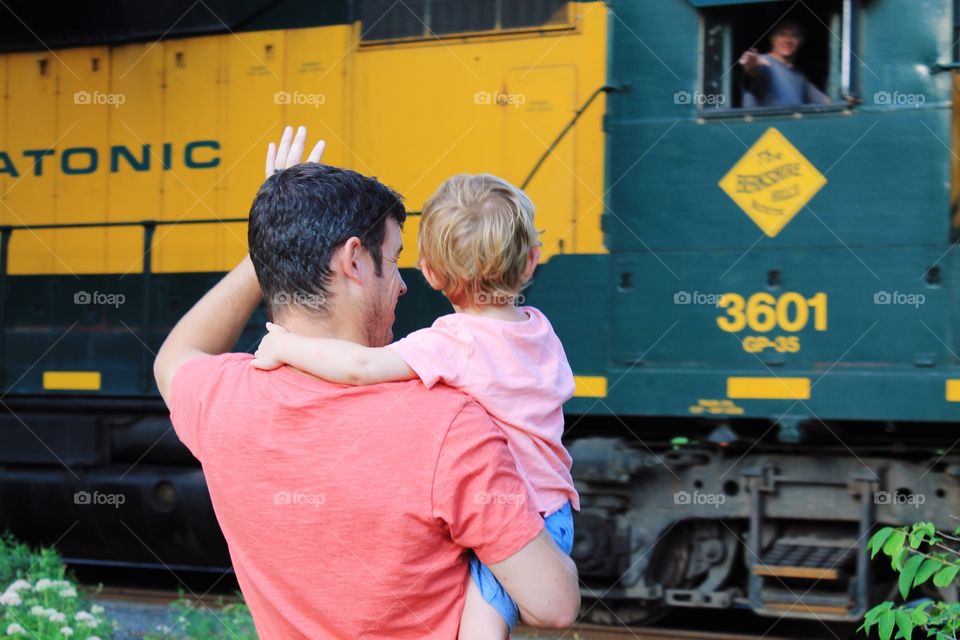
476	233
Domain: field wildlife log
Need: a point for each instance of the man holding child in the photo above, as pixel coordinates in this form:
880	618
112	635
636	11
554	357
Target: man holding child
348	510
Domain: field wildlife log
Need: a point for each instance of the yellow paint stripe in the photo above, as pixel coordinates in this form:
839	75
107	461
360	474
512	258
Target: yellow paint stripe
769	388
590	387
812	608
806	573
953	390
72	380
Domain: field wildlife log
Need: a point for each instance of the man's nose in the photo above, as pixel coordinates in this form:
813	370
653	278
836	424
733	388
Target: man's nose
403	285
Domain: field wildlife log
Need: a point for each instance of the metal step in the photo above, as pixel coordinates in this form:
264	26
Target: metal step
806	560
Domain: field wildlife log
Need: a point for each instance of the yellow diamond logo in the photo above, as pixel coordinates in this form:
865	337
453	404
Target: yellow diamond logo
772	182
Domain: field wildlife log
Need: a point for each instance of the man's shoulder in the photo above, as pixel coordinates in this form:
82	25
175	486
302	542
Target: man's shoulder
205	365
439	396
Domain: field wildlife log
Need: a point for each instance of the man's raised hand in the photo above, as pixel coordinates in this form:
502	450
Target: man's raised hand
751	60
290	151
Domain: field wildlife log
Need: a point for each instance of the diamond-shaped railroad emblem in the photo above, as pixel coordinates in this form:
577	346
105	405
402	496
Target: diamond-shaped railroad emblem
772	182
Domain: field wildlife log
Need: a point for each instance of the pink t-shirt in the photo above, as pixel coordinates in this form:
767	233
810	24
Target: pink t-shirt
520	374
348	510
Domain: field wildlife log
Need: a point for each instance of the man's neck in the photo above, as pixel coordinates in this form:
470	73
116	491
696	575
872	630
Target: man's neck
328	327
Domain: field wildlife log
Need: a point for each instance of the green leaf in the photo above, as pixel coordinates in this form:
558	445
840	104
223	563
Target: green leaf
916	539
904	624
919	617
885	625
897	562
894	543
873	614
908	573
927	569
877	540
946	575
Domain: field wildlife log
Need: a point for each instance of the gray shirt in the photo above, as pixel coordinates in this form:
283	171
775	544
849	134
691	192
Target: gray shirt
778	85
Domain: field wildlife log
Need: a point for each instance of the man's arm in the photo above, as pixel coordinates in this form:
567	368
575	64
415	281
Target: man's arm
543	581
815	96
479	493
212	326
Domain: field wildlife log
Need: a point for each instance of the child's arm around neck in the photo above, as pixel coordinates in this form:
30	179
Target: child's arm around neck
334	360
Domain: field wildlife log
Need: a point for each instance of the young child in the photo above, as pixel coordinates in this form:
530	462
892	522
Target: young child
478	245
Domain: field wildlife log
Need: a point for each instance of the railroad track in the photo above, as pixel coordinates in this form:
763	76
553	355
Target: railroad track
598	632
139	596
156	596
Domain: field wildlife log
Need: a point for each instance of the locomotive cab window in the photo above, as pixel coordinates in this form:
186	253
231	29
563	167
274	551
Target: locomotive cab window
776	56
419	19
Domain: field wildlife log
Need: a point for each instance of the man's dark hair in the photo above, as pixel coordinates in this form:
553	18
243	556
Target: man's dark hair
788	23
300	216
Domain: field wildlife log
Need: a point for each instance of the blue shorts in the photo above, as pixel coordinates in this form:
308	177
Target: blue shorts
559	525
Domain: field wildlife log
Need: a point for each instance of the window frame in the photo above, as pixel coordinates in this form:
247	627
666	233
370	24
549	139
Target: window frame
568	25
848	77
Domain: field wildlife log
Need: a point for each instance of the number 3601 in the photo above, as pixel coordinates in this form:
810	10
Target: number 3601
765	312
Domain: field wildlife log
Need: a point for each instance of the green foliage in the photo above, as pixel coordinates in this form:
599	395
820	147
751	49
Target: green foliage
918	553
37	601
17	560
199	622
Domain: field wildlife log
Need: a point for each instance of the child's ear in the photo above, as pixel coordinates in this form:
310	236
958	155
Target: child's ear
533	259
429	276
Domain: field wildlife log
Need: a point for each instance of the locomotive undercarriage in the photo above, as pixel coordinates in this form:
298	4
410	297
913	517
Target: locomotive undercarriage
783	534
776	528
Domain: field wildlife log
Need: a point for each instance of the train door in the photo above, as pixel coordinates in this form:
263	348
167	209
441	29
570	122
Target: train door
538	102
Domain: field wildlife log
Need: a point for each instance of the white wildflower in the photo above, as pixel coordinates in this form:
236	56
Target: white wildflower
94	638
96	609
15	629
43	584
83	616
58	617
19	585
66	631
11	598
37	610
69	592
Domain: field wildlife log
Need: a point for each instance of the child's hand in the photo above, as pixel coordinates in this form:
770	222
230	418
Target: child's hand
268	353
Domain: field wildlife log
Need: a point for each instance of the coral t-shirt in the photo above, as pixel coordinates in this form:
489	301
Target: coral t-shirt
519	372
348	510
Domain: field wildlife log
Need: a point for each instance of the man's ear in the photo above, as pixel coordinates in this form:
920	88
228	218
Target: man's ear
533	259
349	259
